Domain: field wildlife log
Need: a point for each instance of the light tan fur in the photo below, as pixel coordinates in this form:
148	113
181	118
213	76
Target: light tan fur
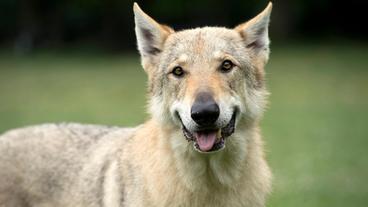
73	165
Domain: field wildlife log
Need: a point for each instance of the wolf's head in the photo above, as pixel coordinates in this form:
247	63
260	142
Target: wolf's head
206	81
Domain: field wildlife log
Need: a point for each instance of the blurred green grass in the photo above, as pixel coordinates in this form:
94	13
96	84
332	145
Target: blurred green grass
316	128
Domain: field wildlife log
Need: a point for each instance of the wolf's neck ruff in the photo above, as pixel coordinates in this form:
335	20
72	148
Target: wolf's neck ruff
223	168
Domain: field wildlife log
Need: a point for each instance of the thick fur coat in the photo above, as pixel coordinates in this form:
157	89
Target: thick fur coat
167	161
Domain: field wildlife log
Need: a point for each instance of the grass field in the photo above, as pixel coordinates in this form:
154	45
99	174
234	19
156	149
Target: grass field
316	127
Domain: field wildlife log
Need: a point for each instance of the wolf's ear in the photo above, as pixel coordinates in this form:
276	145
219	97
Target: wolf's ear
150	34
255	31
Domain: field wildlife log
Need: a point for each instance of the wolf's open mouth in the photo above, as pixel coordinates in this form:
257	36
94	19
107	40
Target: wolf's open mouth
210	140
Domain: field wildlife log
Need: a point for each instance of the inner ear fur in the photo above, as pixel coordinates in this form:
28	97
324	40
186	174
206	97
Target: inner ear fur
150	35
255	31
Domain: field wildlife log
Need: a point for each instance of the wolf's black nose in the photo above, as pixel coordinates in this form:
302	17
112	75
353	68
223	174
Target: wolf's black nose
205	110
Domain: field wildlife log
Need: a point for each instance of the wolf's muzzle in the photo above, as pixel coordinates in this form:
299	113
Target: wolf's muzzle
205	110
210	140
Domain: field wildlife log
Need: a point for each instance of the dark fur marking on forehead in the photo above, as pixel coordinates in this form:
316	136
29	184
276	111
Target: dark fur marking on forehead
199	43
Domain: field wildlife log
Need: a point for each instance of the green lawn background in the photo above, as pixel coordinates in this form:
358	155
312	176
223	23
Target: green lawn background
316	127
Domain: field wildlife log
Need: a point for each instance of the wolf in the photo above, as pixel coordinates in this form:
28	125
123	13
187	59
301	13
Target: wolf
200	147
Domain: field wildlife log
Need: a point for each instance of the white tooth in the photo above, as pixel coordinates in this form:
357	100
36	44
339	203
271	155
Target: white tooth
218	135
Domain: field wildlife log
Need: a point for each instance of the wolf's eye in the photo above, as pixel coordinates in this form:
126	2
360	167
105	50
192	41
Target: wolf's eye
226	66
178	72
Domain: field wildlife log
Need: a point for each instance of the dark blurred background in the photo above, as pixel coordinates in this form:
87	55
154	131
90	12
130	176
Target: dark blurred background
108	24
75	61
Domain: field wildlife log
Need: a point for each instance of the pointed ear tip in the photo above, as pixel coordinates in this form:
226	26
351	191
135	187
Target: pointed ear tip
267	10
269	6
136	7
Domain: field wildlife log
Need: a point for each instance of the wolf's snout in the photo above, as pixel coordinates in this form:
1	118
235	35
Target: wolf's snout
205	110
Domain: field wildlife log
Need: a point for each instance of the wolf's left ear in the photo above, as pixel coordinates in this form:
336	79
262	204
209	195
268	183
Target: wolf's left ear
151	35
255	32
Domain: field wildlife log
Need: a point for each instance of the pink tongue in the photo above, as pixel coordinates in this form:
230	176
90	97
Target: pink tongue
205	140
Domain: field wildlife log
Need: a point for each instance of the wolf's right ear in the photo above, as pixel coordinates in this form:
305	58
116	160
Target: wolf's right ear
151	35
255	32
